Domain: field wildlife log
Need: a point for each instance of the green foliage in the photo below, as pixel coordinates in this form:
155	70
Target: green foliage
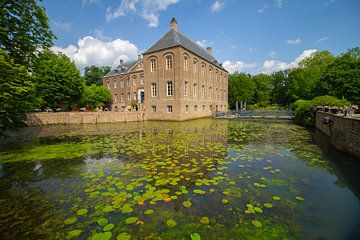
24	29
304	110
95	96
58	81
94	74
262	90
241	88
16	93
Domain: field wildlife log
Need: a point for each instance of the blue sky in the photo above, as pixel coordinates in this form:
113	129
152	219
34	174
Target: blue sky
246	35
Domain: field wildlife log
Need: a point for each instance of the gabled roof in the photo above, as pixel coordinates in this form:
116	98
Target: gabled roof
175	38
122	68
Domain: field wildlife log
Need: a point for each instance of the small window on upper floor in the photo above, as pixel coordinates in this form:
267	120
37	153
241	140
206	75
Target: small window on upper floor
152	65
128	83
108	85
115	84
186	62
115	98
141	80
153	89
202	70
195	67
121	83
134	81
169	62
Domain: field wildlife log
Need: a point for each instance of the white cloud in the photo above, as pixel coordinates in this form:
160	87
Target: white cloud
238	66
268	66
93	51
272	54
294	41
62	25
217	6
329	2
261	10
88	2
205	43
147	9
322	39
279	3
99	34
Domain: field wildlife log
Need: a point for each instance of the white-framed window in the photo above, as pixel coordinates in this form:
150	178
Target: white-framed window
186	62
122	97
115	84
209	93
141	80
134	81
202	91
153	89
194	89
169	88
186	88
129	97
122	83
169	62
152	65
128	82
195	67
202	70
115	98
135	96
108	85
195	108
186	108
153	108
169	108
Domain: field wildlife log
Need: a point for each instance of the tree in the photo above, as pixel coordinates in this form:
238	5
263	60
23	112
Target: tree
241	88
24	30
94	74
280	91
95	96
58	81
16	93
342	77
263	89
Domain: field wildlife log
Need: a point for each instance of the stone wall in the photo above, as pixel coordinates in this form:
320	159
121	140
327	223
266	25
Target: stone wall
49	118
344	132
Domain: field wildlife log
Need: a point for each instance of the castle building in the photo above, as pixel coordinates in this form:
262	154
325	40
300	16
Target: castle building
176	79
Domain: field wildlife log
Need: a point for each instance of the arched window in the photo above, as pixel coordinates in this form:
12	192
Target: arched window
115	84
115	98
195	90
195	67
186	62
202	91
169	62
153	65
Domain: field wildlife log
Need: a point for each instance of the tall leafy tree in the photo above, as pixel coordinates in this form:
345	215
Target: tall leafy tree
16	93
95	96
263	89
94	74
24	30
58	81
280	91
241	88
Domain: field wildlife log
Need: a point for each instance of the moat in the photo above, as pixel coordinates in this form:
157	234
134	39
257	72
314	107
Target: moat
202	179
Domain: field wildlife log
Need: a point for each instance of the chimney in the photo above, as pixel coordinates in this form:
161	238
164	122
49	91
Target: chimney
173	24
209	49
121	61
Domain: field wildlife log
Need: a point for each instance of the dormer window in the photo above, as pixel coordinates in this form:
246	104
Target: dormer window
152	65
168	62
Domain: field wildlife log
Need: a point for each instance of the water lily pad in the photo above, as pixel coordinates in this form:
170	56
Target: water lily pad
108	208
195	236
101	236
205	220
187	204
299	198
102	222
256	223
149	211
123	236
126	209
268	205
276	198
171	222
108	227
257	209
131	220
225	201
82	211
74	233
70	220
199	191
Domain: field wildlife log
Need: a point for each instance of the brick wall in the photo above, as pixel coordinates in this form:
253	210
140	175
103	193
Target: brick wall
344	132
48	118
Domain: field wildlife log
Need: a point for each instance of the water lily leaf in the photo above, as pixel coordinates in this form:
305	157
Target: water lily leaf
205	220
195	236
268	205
74	233
70	220
276	198
187	204
199	191
225	201
82	211
123	236
148	212
126	209
102	222
299	198
101	236
256	223
131	220
108	208
257	209
108	227
171	222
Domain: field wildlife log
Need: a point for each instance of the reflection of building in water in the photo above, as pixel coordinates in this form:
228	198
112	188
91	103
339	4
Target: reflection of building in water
176	79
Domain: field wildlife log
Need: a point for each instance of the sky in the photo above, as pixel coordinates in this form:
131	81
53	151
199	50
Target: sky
253	36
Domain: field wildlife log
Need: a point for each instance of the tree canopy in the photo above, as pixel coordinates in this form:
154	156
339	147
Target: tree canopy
94	74
95	96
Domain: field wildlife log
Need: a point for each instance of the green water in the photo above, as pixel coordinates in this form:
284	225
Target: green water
203	179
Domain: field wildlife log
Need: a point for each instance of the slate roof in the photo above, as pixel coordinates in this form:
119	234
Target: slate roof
123	68
175	38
